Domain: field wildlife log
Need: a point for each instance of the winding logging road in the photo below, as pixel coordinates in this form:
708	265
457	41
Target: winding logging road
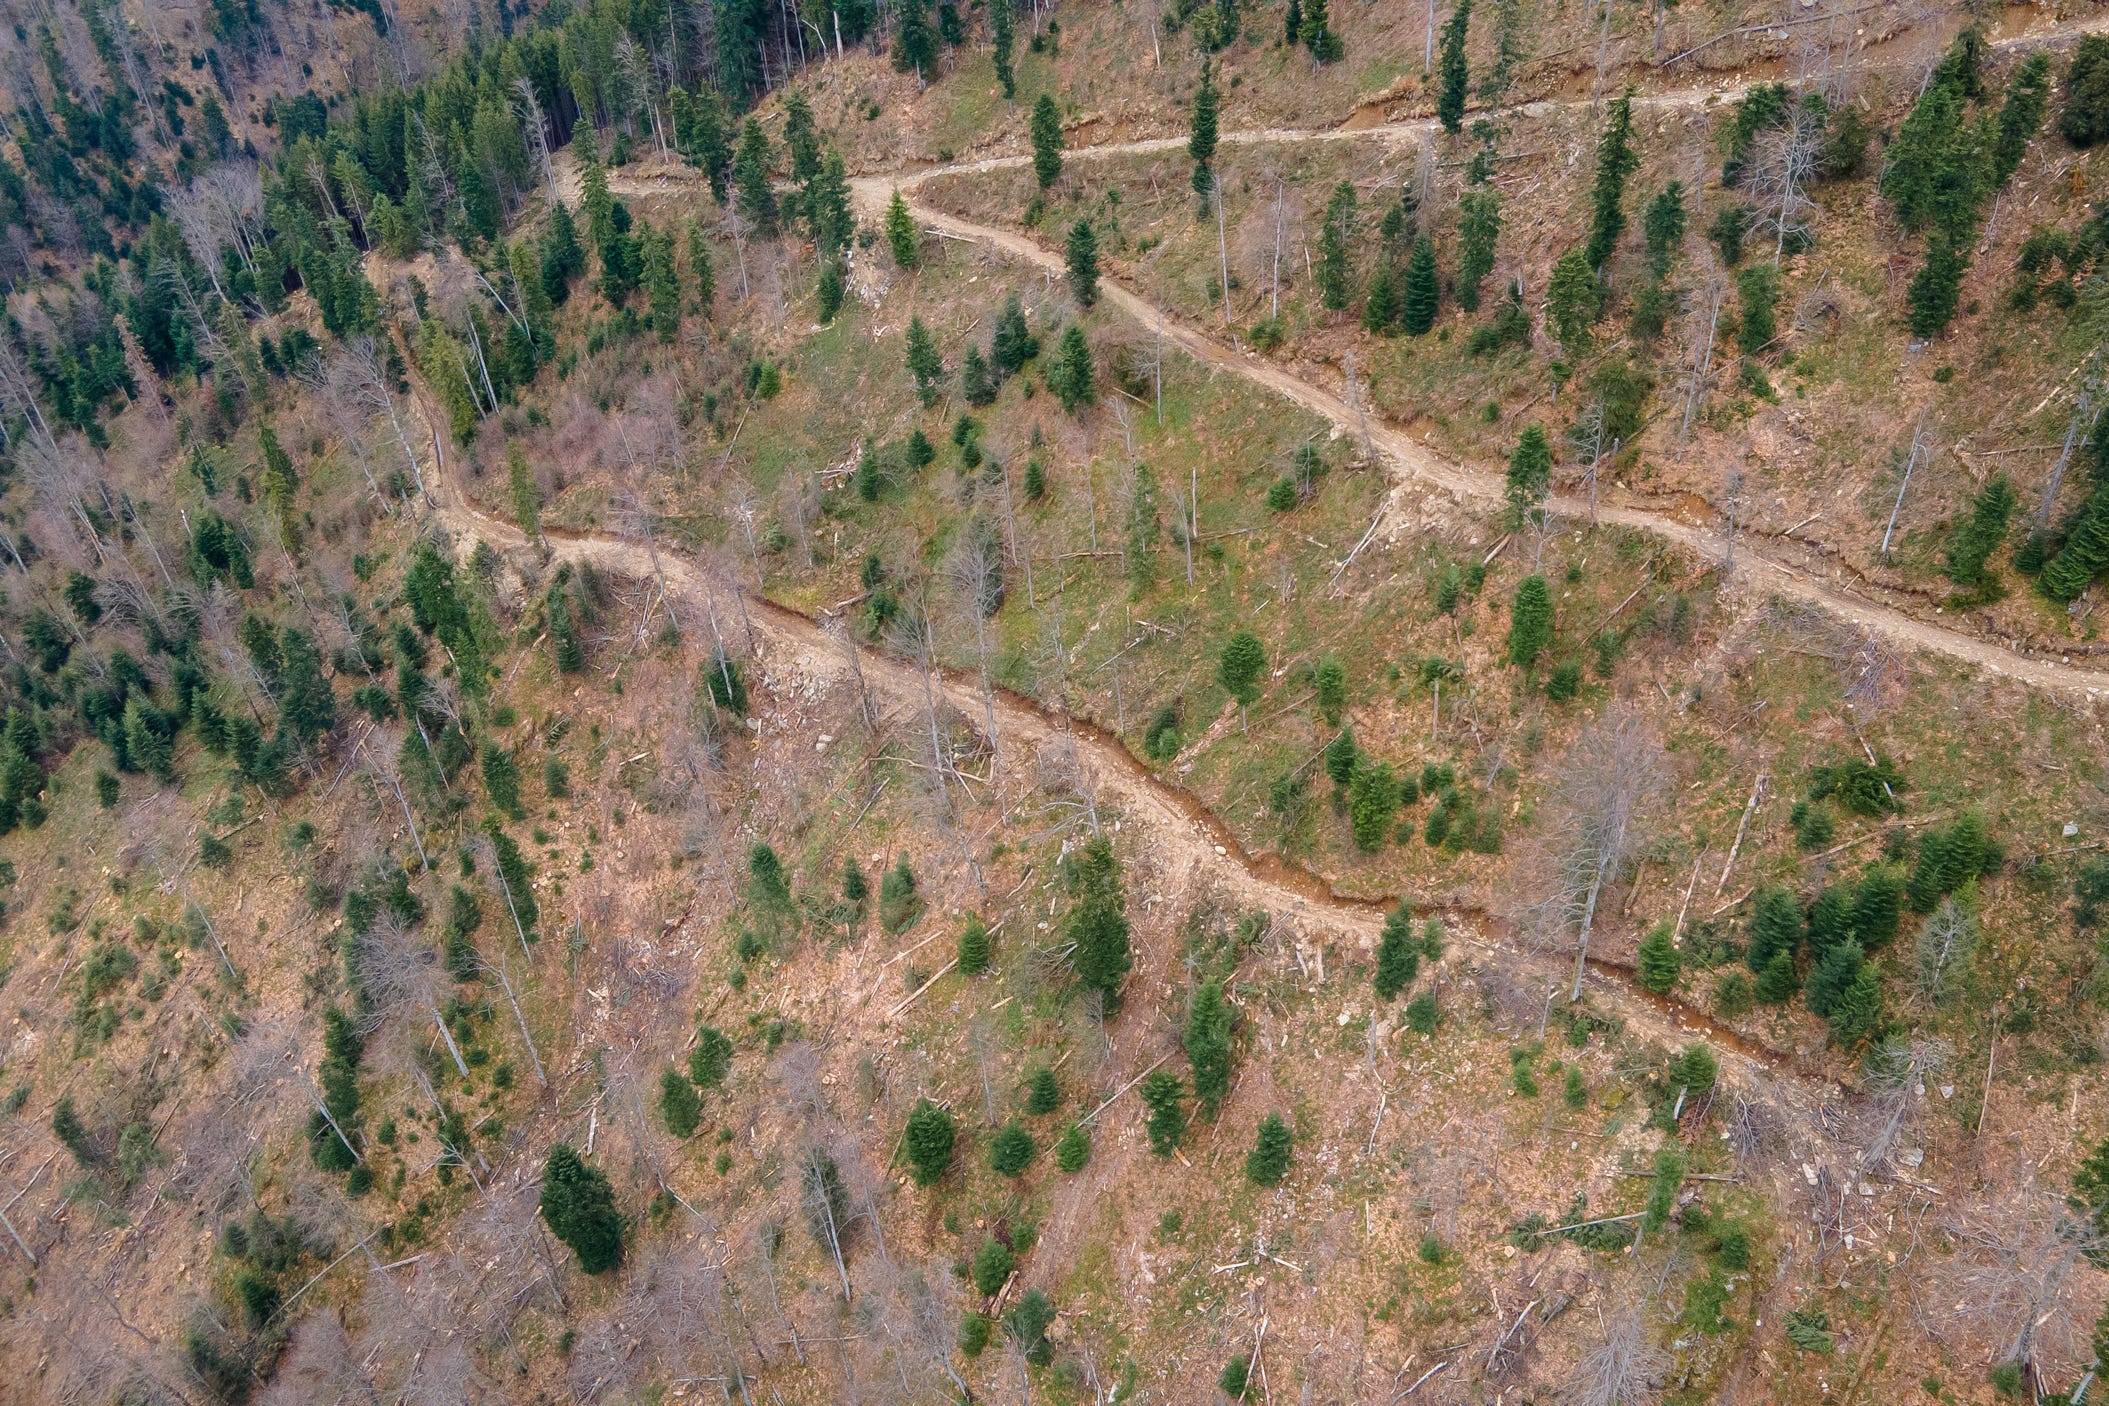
1412	466
1193	845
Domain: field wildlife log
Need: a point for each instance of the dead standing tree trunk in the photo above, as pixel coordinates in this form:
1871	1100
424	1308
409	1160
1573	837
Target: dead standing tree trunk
1600	805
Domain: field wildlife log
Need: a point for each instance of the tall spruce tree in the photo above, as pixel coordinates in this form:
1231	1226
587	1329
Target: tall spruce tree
1047	141
1335	247
1201	132
1421	295
1000	43
1450	105
1530	621
1081	255
754	195
1072	378
924	362
1615	162
1573	298
902	237
1478	231
1977	536
1529	475
1207	1042
1097	921
579	1207
1398	954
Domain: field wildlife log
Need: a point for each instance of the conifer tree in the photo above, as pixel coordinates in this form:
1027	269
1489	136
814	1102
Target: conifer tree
1013	343
901	234
1329	683
1372	801
1317	34
755	197
700	268
1660	963
1201	137
1207	1043
914	43
1381	307
899	902
1340	756
1001	41
1615	161
501	779
1165	1097
1530	621
1450	105
2020	116
1478	231
1775	927
827	212
711	1059
2084	555
928	1142
1757	289
1334	266
1072	378
146	747
767	884
514	876
925	363
1398	954
1268	1162
1929	173
973	950
1572	301
1081	256
1976	537
2085	118
579	1208
1011	1151
562	258
1529	476
662	284
1422	293
1778	981
978	383
1935	291
829	289
1043	1095
1833	973
1073	1151
1047	141
1239	668
678	1105
1663	226
525	493
1857	1012
307	706
991	1267
1097	920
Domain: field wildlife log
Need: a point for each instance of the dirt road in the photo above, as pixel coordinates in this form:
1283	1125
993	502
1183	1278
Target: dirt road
1413	466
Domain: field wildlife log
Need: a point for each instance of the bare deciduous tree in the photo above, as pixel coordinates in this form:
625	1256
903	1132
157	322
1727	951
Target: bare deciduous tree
974	570
1625	1367
2013	1284
1782	166
1898	1073
1945	955
401	976
1599	816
